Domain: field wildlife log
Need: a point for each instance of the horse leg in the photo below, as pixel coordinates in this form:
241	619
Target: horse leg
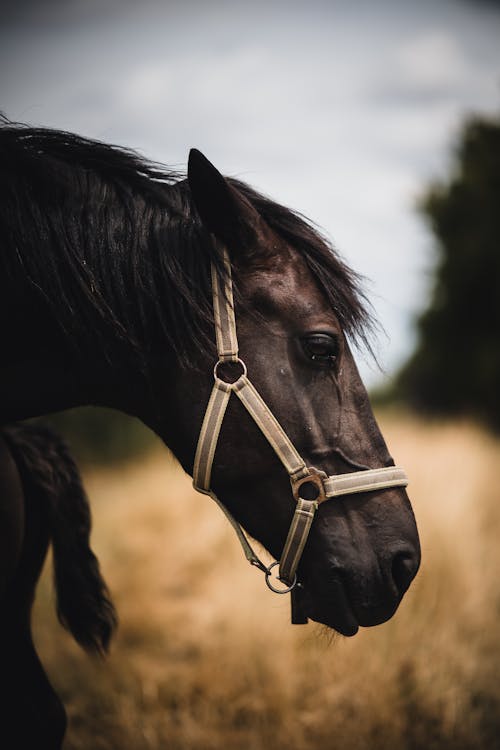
55	508
31	714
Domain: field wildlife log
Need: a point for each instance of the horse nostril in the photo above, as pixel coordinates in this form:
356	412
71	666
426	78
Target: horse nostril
404	568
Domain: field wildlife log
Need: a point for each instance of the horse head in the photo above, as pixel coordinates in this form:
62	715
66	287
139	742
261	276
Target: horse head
291	311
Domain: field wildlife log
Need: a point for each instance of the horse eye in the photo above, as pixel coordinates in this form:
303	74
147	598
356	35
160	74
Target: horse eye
321	348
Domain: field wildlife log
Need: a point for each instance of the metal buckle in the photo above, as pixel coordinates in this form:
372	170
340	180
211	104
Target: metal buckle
316	478
273	588
230	384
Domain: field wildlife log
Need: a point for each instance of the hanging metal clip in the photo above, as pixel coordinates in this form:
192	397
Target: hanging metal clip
273	588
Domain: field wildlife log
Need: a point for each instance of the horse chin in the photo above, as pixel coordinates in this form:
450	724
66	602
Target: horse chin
337	612
347	626
333	611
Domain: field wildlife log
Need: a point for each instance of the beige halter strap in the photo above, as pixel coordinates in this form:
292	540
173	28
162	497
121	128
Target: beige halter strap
304	479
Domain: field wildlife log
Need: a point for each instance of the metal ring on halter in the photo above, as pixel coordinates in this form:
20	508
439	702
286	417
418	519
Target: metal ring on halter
226	362
273	588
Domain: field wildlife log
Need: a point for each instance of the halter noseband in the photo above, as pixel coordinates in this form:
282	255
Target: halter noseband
301	476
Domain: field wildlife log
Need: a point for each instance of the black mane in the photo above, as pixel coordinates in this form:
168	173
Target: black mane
114	245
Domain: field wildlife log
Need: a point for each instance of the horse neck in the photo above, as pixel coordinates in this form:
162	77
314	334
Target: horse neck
45	369
40	374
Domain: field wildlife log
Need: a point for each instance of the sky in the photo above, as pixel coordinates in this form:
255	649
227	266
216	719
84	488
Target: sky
342	110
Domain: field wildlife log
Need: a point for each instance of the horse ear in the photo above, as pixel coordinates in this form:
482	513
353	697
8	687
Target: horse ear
223	211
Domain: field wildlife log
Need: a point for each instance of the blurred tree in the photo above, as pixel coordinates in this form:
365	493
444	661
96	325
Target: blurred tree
97	435
456	366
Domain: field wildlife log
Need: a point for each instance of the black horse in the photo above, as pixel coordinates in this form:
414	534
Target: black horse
105	298
42	500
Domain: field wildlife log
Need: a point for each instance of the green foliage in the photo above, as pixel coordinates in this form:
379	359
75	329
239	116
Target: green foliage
456	366
103	436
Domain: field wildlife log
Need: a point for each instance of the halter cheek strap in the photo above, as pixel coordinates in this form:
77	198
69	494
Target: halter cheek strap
305	481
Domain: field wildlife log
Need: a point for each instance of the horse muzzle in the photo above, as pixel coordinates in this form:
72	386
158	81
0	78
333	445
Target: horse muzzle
356	571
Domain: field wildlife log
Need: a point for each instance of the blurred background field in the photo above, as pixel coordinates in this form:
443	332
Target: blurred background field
206	658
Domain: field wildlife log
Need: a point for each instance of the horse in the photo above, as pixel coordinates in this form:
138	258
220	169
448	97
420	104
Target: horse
115	273
42	500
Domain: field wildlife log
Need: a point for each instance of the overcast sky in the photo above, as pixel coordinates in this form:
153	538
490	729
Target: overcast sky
342	110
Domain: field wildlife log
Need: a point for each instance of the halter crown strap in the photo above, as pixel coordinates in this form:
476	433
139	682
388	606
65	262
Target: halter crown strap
324	487
225	323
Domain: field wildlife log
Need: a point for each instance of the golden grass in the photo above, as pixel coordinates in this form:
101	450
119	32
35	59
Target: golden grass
206	658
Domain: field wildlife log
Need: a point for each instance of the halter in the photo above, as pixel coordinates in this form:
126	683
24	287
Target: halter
305	480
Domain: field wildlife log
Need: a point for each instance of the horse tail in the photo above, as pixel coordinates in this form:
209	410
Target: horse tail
84	606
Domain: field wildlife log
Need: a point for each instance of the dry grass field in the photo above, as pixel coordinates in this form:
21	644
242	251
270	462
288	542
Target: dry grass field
206	658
